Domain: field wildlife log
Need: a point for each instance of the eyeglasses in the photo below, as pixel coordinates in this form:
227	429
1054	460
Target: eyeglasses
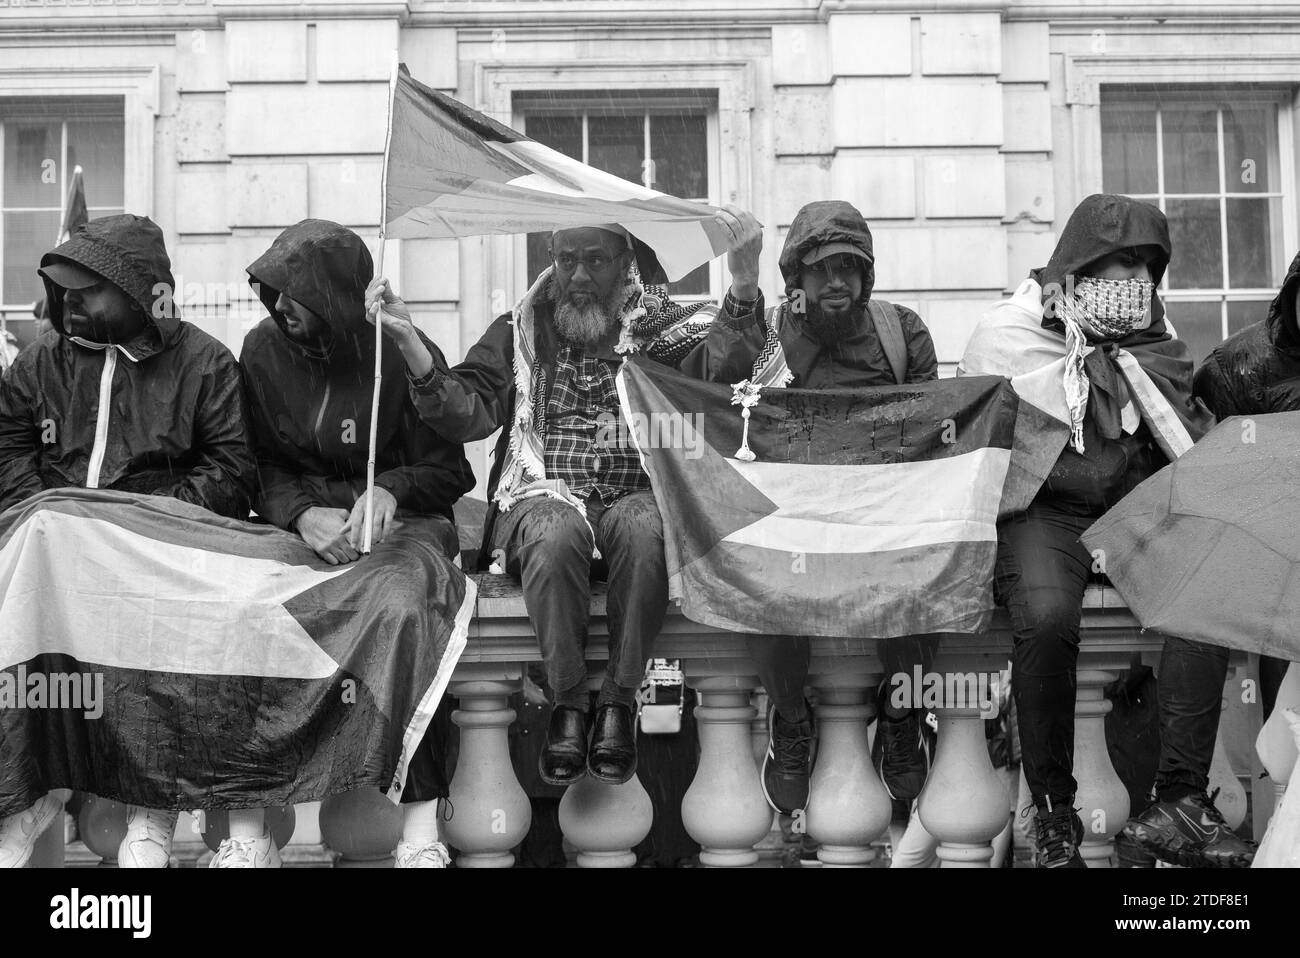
594	262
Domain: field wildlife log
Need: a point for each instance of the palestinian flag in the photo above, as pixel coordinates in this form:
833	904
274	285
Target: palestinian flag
74	207
155	653
866	513
451	171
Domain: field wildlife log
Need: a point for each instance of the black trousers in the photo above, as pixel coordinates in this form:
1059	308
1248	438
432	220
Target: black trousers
1191	695
1042	571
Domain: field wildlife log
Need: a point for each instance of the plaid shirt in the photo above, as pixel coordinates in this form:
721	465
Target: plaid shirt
584	437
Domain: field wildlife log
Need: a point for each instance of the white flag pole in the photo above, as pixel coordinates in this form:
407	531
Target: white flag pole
379	325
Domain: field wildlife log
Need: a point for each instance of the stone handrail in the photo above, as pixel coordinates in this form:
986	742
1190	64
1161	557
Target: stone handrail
964	806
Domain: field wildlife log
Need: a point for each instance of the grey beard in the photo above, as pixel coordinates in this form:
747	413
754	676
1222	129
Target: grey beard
590	323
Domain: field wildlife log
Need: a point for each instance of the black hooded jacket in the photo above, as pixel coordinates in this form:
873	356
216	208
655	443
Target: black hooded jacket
1257	371
1114	462
739	332
310	411
174	424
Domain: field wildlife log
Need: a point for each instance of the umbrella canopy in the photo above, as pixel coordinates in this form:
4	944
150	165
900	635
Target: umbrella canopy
1209	547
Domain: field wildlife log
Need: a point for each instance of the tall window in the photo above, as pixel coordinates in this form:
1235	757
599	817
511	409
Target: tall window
1216	163
664	142
41	142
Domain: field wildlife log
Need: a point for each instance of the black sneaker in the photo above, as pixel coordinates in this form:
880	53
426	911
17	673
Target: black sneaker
1058	833
1190	832
788	762
901	755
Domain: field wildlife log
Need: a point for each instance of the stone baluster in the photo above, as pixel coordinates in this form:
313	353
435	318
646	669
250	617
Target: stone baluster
1102	799
281	820
604	822
361	826
1275	744
964	802
102	824
771	849
848	807
487	813
1231	797
724	809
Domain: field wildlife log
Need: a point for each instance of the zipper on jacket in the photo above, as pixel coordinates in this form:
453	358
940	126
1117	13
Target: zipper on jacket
101	419
320	414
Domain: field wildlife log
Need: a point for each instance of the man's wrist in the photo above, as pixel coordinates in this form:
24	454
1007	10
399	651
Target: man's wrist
744	289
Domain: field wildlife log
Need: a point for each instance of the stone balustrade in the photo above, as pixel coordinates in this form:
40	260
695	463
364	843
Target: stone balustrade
964	808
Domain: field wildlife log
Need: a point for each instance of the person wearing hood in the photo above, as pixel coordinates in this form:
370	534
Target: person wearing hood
120	394
829	332
1085	341
309	379
569	498
1255	372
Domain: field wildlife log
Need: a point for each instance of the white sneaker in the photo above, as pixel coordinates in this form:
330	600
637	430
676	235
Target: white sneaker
148	841
18	833
417	855
247	853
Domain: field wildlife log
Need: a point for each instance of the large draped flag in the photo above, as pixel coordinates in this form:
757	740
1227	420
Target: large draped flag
866	512
452	171
155	653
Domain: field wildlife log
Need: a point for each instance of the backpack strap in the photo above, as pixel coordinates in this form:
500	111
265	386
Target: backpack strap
890	330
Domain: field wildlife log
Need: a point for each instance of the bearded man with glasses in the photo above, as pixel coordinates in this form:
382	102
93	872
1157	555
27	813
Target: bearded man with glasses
569	499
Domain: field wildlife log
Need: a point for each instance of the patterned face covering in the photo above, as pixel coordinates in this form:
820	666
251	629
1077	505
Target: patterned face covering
1107	308
1110	308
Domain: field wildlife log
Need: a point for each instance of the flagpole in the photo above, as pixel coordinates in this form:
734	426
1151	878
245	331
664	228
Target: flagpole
379	323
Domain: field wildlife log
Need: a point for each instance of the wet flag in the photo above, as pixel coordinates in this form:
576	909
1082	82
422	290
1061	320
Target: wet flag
155	653
454	172
865	512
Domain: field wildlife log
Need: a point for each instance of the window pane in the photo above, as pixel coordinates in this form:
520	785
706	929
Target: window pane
1200	325
562	133
1128	148
28	237
33	153
1191	143
616	144
539	255
679	151
694	283
1246	313
1249	144
99	146
1197	261
1253	227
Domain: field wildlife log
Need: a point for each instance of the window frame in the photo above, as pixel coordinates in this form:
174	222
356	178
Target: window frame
647	102
1282	97
140	90
732	80
78	110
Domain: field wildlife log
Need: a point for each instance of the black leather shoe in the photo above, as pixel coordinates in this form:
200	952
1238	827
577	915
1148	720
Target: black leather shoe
612	757
564	759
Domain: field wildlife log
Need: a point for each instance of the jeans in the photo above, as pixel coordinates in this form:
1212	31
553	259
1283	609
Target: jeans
1190	688
548	546
1041	573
